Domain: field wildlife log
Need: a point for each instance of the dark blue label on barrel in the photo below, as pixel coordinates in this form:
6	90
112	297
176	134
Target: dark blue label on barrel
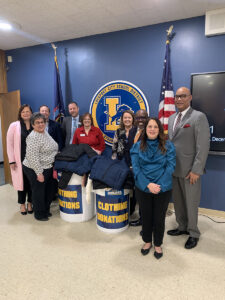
70	199
112	210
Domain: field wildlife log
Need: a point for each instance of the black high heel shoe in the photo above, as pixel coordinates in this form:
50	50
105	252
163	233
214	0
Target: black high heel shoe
146	251
158	255
23	212
29	211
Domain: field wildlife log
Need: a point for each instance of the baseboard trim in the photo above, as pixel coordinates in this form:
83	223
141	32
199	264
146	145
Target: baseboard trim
206	211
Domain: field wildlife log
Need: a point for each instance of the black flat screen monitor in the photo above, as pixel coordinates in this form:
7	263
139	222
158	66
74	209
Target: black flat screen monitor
208	93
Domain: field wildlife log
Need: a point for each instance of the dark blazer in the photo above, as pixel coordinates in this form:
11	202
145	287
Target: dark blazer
66	129
55	131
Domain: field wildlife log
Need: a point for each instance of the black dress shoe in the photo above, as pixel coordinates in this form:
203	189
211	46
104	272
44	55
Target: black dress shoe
136	223
176	232
191	242
146	251
23	213
158	255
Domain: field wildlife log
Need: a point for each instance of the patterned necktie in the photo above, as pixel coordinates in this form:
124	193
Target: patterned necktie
74	127
177	121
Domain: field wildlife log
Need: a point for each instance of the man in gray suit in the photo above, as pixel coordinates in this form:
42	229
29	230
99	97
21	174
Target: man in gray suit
189	131
71	123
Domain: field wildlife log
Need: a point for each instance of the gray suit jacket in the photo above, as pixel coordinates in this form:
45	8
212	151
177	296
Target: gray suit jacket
191	139
66	128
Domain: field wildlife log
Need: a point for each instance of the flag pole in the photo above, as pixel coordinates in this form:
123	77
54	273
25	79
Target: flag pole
166	103
59	110
169	38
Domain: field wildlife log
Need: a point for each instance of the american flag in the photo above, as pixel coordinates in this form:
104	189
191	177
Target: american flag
166	104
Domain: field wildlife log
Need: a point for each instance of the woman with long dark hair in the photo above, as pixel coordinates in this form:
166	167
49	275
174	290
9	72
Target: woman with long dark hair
153	160
16	150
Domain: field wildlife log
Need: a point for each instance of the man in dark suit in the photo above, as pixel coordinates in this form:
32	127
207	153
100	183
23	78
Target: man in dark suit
71	123
189	131
52	127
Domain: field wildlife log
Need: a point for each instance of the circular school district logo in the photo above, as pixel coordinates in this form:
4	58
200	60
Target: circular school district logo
110	101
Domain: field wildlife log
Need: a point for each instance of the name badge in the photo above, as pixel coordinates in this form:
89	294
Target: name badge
82	134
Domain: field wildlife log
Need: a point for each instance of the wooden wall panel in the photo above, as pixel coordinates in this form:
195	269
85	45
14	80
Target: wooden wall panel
9	107
3	74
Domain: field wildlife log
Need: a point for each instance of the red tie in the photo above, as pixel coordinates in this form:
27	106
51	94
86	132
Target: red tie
177	121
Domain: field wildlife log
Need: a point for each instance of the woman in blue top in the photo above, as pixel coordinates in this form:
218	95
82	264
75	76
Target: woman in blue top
153	161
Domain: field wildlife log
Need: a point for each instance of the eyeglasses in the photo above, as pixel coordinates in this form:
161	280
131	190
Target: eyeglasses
87	120
39	123
182	96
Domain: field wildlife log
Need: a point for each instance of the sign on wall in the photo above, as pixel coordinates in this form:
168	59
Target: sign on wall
110	101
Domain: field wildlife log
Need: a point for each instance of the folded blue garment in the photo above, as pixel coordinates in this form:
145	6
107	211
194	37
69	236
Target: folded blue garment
109	171
79	167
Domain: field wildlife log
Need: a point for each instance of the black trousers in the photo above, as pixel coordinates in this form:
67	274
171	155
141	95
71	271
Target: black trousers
132	203
42	192
55	187
153	212
26	191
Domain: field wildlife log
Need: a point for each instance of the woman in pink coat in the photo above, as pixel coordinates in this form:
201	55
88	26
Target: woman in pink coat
16	150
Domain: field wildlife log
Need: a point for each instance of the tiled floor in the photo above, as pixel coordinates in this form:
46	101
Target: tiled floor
76	261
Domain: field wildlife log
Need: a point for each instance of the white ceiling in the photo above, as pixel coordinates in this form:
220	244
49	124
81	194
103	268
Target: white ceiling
45	21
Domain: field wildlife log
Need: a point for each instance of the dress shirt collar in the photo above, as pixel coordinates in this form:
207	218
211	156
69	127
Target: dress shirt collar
76	118
82	128
183	113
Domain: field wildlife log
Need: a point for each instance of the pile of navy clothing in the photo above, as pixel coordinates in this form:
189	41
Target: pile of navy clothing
73	159
113	173
105	172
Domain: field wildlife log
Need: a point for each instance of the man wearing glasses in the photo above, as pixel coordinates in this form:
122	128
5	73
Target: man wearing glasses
189	131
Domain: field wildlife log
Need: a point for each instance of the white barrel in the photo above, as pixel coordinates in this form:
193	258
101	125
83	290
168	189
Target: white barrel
73	203
112	209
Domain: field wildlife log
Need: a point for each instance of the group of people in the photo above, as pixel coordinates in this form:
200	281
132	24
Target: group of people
32	144
163	167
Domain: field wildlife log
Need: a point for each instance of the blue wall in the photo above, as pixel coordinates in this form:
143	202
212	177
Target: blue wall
132	55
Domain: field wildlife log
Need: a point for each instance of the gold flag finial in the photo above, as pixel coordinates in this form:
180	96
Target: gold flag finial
54	47
170	35
169	31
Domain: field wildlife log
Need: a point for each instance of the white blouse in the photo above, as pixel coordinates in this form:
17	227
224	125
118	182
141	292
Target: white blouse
40	151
